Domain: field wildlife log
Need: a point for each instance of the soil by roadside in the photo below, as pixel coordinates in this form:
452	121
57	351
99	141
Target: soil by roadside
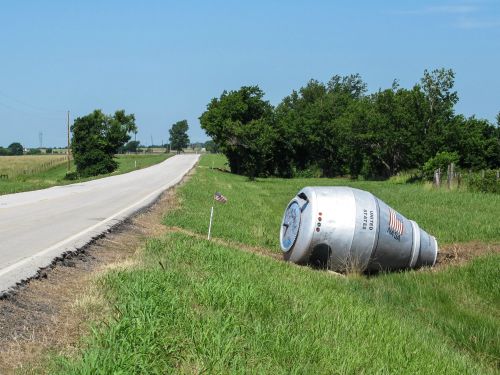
51	313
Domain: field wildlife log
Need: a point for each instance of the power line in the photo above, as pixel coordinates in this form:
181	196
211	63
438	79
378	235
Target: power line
33	107
31	113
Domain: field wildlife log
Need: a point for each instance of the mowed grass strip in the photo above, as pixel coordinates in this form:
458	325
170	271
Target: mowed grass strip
198	307
254	209
55	175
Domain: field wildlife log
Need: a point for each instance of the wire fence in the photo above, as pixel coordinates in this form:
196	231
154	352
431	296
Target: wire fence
14	167
484	180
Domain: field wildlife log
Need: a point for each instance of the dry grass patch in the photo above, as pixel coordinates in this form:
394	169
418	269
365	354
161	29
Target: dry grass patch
28	164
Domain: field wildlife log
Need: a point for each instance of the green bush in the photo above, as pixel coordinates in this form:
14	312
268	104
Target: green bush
34	151
487	184
441	160
313	171
71	176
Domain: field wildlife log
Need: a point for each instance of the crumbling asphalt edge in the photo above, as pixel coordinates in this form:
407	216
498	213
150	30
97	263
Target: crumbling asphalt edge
78	252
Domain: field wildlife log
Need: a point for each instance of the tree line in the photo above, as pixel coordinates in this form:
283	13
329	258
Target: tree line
97	137
338	129
14	149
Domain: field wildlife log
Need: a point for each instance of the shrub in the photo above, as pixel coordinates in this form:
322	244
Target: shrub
34	151
71	176
487	184
441	160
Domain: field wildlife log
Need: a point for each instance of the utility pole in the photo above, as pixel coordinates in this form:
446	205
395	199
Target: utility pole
135	140
67	152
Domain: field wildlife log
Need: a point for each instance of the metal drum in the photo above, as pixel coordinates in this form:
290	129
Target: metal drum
345	229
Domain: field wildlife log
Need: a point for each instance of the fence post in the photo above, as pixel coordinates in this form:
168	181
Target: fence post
449	173
437	176
498	174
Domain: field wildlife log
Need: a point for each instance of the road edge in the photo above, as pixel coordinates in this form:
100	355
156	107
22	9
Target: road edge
49	257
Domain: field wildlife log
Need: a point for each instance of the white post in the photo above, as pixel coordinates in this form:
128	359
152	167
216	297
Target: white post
210	225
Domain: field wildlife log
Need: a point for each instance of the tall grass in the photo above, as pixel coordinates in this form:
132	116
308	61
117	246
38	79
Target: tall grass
13	166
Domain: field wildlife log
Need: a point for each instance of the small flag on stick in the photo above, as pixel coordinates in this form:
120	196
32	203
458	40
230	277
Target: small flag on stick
219	197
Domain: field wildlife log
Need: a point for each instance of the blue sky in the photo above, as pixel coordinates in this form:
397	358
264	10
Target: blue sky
164	60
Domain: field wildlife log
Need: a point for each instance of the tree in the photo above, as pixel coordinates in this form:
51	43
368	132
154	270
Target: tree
131	146
16	148
178	136
34	151
336	129
97	138
211	147
241	125
4	151
440	101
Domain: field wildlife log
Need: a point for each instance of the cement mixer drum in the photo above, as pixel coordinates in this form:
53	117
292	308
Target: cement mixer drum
342	227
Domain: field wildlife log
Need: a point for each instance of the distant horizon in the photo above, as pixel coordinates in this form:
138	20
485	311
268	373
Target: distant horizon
165	62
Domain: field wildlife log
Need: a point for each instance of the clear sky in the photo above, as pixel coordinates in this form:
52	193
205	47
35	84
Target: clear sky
164	60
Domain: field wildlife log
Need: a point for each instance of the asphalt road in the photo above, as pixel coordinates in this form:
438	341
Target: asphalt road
38	226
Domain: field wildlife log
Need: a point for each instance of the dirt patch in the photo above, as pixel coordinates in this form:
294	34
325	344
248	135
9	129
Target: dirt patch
51	313
233	244
448	255
460	253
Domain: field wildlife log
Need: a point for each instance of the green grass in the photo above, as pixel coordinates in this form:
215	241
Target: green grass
214	309
194	306
254	209
55	176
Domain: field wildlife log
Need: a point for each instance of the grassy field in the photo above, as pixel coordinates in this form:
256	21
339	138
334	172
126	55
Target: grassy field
253	214
15	166
42	175
193	306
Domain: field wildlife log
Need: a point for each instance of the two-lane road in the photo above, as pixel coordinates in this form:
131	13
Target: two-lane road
37	226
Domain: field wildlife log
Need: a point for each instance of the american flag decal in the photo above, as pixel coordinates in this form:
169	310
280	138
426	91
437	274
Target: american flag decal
395	223
220	198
